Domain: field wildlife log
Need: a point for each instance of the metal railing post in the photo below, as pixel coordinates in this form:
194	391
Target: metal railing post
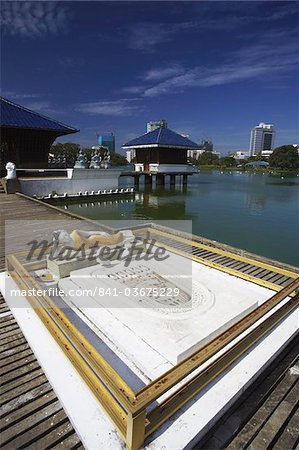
135	430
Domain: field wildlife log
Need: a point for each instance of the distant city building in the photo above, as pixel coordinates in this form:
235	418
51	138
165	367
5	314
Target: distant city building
153	125
131	155
240	155
297	147
107	140
206	145
262	139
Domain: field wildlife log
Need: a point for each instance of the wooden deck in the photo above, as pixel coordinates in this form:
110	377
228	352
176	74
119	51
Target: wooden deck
242	264
267	415
32	416
23	219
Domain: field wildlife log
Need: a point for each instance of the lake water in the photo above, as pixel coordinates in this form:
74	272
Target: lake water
256	212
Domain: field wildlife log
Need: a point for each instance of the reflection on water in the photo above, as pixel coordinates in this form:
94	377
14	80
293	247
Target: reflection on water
255	202
256	212
96	204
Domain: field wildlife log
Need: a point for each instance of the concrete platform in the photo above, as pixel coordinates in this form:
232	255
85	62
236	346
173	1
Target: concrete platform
186	427
91	423
156	336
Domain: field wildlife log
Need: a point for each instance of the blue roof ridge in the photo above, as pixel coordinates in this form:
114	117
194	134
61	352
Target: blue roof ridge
159	133
10	102
162	136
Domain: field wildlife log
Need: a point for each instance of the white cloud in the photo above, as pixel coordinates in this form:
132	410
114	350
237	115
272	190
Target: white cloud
15	96
122	107
138	89
32	101
146	36
271	59
207	16
161	73
44	107
154	75
32	19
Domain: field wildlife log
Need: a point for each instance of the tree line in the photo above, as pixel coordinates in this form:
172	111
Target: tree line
284	157
66	153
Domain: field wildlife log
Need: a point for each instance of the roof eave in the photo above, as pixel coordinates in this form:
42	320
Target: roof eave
181	147
59	132
69	132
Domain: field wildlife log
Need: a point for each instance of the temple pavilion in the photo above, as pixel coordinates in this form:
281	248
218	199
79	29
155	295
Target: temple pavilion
27	136
160	151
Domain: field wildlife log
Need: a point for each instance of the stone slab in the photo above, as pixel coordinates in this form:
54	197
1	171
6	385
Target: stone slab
182	430
173	330
63	269
71	260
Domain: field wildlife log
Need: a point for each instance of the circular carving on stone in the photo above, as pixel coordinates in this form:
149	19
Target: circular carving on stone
202	300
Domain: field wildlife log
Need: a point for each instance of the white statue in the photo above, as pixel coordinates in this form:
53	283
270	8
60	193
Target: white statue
81	162
11	171
90	239
106	159
95	162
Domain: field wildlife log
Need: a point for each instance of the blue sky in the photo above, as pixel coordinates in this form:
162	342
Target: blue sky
211	69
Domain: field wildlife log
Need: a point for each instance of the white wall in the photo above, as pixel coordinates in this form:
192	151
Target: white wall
81	180
164	168
171	168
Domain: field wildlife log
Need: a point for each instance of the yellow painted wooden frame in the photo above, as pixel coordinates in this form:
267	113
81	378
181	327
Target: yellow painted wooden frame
128	409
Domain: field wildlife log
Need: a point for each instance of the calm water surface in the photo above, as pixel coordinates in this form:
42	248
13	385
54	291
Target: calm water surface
256	212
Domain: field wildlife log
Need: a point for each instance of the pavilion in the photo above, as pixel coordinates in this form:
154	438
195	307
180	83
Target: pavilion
161	151
26	136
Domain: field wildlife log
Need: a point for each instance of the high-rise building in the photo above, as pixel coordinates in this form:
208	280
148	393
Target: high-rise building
262	139
206	145
107	140
153	125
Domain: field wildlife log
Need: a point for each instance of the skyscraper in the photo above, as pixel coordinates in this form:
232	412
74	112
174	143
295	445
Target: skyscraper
107	140
153	125
262	139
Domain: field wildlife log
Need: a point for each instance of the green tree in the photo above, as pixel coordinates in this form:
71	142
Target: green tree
193	161
67	150
118	160
285	157
88	152
227	161
257	157
208	159
70	150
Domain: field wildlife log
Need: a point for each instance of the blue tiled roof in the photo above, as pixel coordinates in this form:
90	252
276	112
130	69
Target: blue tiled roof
13	115
162	136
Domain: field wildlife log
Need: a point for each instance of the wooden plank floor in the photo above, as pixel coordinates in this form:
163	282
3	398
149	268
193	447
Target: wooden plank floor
23	220
261	271
32	416
266	416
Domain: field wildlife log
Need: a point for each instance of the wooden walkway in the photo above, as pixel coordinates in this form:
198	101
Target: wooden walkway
32	416
23	219
267	415
236	262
